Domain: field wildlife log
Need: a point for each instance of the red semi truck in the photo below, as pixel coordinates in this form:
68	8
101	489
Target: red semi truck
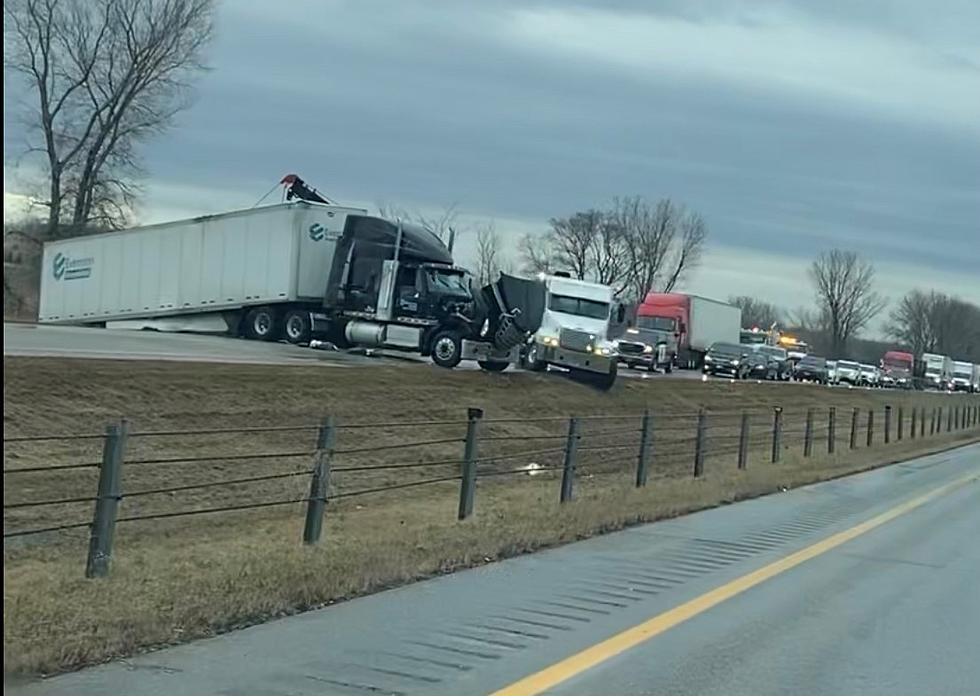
698	321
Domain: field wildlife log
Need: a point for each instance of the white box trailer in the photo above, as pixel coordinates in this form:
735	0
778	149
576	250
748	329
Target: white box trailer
274	254
296	271
712	321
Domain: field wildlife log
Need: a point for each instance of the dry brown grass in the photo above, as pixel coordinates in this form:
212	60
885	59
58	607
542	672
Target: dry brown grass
183	578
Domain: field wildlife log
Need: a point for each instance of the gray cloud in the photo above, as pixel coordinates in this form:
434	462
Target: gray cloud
792	126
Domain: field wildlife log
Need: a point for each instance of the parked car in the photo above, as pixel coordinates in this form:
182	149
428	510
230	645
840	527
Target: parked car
779	364
831	372
848	372
812	368
870	376
730	359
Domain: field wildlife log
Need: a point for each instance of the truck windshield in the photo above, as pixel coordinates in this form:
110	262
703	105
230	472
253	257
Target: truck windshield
962	371
448	282
656	323
579	306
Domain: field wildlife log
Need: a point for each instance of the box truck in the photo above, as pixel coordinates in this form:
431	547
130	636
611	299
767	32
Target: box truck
936	370
700	322
292	271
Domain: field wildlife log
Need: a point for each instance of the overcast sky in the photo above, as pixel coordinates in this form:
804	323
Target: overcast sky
792	126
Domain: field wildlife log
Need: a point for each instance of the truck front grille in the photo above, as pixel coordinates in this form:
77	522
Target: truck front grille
630	348
575	340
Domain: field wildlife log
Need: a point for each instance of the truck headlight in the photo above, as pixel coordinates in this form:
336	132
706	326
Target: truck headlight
647	349
708	358
550	341
605	351
736	362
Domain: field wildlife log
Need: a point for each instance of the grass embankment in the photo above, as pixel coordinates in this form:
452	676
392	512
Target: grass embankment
182	578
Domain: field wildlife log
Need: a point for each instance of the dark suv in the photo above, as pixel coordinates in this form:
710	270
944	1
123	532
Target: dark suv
776	363
811	369
729	359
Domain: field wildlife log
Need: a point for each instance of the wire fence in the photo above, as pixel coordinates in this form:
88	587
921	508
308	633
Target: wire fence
60	484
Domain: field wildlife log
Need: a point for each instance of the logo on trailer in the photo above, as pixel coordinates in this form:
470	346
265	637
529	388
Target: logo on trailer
66	268
58	266
317	232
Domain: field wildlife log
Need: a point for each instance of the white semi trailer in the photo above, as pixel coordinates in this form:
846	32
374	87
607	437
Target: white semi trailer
292	271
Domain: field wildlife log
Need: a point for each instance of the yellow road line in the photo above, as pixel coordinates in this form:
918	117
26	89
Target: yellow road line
631	637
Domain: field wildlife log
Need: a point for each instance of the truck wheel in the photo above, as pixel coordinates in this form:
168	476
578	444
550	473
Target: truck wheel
296	326
605	382
493	365
669	367
261	324
447	348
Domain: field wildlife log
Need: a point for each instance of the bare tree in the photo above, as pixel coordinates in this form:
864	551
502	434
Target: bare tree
107	75
756	312
572	241
662	243
536	254
694	232
933	322
444	225
845	294
489	254
608	251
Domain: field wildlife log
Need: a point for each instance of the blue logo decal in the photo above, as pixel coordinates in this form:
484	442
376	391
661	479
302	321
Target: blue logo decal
64	267
317	232
58	265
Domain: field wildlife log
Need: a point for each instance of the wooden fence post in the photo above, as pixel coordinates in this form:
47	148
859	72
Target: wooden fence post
743	442
777	433
871	427
855	415
699	445
808	434
319	482
888	423
831	430
646	445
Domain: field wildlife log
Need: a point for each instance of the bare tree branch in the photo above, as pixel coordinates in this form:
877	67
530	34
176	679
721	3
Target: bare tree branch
845	293
756	312
107	75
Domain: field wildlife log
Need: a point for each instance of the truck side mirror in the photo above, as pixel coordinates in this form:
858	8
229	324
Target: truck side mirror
620	314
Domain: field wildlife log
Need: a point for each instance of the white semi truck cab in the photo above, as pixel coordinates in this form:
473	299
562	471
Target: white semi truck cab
574	332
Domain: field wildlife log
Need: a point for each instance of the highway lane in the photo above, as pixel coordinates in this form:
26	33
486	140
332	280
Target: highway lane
895	611
890	606
34	340
58	341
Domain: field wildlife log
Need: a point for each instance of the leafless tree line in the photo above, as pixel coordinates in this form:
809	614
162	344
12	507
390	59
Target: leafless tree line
634	246
104	77
933	322
756	312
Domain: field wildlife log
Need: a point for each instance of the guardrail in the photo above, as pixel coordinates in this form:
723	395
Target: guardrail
347	461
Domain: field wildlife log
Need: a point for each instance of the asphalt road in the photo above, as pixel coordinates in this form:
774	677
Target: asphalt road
117	344
855	586
57	341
